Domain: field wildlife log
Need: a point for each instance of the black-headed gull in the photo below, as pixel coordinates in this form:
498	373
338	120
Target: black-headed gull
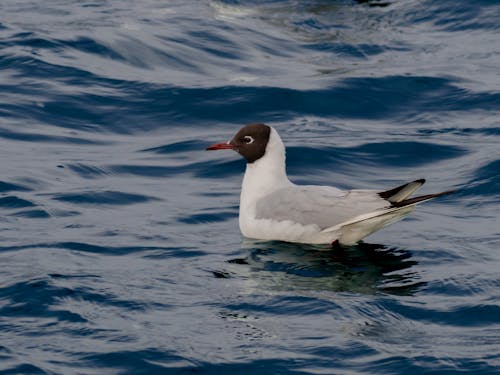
274	208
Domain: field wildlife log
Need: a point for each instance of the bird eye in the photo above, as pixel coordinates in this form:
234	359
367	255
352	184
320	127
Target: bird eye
247	139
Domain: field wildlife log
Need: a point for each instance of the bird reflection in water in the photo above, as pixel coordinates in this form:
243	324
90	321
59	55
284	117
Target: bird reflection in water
365	268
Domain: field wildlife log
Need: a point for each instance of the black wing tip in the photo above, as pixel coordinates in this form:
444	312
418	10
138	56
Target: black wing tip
422	198
389	193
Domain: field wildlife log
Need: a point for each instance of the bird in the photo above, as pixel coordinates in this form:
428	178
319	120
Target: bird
275	209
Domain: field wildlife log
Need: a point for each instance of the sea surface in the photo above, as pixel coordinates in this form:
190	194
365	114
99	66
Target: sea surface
120	251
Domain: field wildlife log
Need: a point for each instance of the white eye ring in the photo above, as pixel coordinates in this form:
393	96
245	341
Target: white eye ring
248	140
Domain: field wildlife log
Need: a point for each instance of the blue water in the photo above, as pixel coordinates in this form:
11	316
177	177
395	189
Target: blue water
120	251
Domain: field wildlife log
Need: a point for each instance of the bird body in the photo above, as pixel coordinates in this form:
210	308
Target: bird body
274	208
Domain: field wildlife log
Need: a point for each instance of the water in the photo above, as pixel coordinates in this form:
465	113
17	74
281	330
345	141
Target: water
119	245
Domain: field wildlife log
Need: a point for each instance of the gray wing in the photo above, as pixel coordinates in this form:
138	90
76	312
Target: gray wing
321	205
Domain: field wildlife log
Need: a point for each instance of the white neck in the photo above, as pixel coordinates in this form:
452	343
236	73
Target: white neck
266	174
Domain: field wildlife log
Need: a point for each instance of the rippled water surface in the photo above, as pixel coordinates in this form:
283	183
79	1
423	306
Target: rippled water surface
120	251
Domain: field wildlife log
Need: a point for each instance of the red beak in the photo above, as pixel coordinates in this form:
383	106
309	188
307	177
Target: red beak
221	146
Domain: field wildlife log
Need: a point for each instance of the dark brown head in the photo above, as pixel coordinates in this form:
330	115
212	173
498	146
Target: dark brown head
250	142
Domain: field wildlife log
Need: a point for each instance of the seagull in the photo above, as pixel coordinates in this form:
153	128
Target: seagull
274	208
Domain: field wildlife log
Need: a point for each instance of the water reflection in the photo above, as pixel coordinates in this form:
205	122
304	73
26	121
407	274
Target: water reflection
364	268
